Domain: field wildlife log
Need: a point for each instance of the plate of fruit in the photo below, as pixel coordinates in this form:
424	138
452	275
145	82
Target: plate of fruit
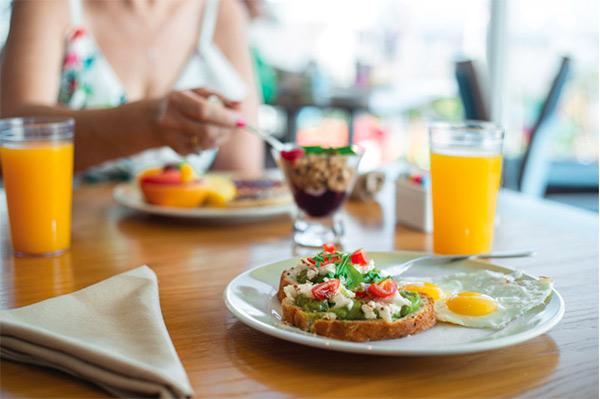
177	190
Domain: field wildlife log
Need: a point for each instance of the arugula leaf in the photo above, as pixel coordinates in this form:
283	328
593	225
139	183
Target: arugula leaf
318	150
350	275
345	150
355	277
340	270
374	277
322	256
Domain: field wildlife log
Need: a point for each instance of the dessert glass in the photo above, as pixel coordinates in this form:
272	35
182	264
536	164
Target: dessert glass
320	184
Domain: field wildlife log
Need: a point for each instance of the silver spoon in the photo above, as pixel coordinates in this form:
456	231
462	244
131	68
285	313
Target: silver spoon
273	142
397	270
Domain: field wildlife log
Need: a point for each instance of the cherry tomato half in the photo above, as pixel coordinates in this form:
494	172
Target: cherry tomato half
329	247
384	289
359	257
326	290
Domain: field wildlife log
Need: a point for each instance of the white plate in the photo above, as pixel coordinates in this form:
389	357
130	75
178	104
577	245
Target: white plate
129	195
251	298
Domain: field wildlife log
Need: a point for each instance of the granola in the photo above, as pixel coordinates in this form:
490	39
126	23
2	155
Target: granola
318	172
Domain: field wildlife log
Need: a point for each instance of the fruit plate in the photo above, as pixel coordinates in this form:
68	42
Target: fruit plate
129	195
251	297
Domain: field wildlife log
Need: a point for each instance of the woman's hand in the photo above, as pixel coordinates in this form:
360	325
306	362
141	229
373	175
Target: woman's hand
190	120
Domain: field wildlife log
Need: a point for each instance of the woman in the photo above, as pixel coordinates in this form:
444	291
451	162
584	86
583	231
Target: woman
136	75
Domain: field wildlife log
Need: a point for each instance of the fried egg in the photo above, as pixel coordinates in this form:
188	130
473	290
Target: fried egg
482	299
424	287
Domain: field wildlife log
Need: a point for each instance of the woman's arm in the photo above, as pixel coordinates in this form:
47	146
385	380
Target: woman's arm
245	151
104	134
30	79
33	54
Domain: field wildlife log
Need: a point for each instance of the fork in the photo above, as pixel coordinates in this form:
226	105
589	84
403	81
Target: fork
397	270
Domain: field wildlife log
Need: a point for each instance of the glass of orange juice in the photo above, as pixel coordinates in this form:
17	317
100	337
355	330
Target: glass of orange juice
37	170
466	166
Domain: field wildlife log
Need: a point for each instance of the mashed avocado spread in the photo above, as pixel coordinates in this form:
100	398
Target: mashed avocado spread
316	308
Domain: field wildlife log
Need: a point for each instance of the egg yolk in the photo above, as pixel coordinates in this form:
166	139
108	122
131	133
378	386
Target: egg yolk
472	304
426	288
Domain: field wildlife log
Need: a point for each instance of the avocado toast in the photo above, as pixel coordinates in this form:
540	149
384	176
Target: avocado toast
344	296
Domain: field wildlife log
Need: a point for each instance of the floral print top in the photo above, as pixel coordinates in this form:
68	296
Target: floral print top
87	79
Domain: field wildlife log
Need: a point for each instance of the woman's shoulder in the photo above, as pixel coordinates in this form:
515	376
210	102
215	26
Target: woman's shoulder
230	28
231	11
46	16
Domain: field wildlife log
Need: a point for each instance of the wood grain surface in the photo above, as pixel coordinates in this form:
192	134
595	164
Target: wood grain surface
194	260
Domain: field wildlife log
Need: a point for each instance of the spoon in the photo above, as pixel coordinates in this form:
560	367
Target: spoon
272	141
397	270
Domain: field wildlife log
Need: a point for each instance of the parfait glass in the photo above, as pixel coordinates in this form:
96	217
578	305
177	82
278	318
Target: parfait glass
321	182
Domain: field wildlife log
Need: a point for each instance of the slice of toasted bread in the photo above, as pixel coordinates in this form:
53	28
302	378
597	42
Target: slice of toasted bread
363	330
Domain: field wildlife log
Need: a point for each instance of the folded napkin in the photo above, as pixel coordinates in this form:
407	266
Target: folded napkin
111	333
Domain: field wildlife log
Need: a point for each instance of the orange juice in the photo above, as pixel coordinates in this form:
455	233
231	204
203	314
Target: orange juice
38	182
464	190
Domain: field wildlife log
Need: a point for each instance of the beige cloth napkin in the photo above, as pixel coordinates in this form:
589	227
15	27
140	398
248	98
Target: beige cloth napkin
111	333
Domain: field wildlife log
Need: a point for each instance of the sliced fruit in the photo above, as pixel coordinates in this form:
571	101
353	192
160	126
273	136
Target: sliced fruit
149	171
170	177
220	190
172	185
187	173
190	195
292	154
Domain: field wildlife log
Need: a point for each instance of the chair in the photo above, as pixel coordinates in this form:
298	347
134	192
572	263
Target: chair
471	92
535	166
530	174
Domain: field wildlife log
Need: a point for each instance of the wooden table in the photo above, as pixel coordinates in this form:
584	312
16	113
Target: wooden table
195	260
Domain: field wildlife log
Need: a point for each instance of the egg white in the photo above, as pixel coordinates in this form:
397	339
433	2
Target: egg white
513	293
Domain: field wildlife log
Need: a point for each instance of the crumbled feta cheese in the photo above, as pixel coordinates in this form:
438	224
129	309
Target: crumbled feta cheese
387	311
306	289
293	290
396	299
343	298
369	312
330	268
304	264
346	291
329	316
290	291
367	268
342	301
386	307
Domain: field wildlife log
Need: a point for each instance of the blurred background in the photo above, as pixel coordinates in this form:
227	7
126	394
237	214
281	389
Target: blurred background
375	73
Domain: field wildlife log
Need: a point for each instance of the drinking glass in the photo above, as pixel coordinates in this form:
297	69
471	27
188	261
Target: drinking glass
466	165
320	184
37	169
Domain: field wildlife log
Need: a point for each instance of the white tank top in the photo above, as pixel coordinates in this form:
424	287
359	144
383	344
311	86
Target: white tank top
88	81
